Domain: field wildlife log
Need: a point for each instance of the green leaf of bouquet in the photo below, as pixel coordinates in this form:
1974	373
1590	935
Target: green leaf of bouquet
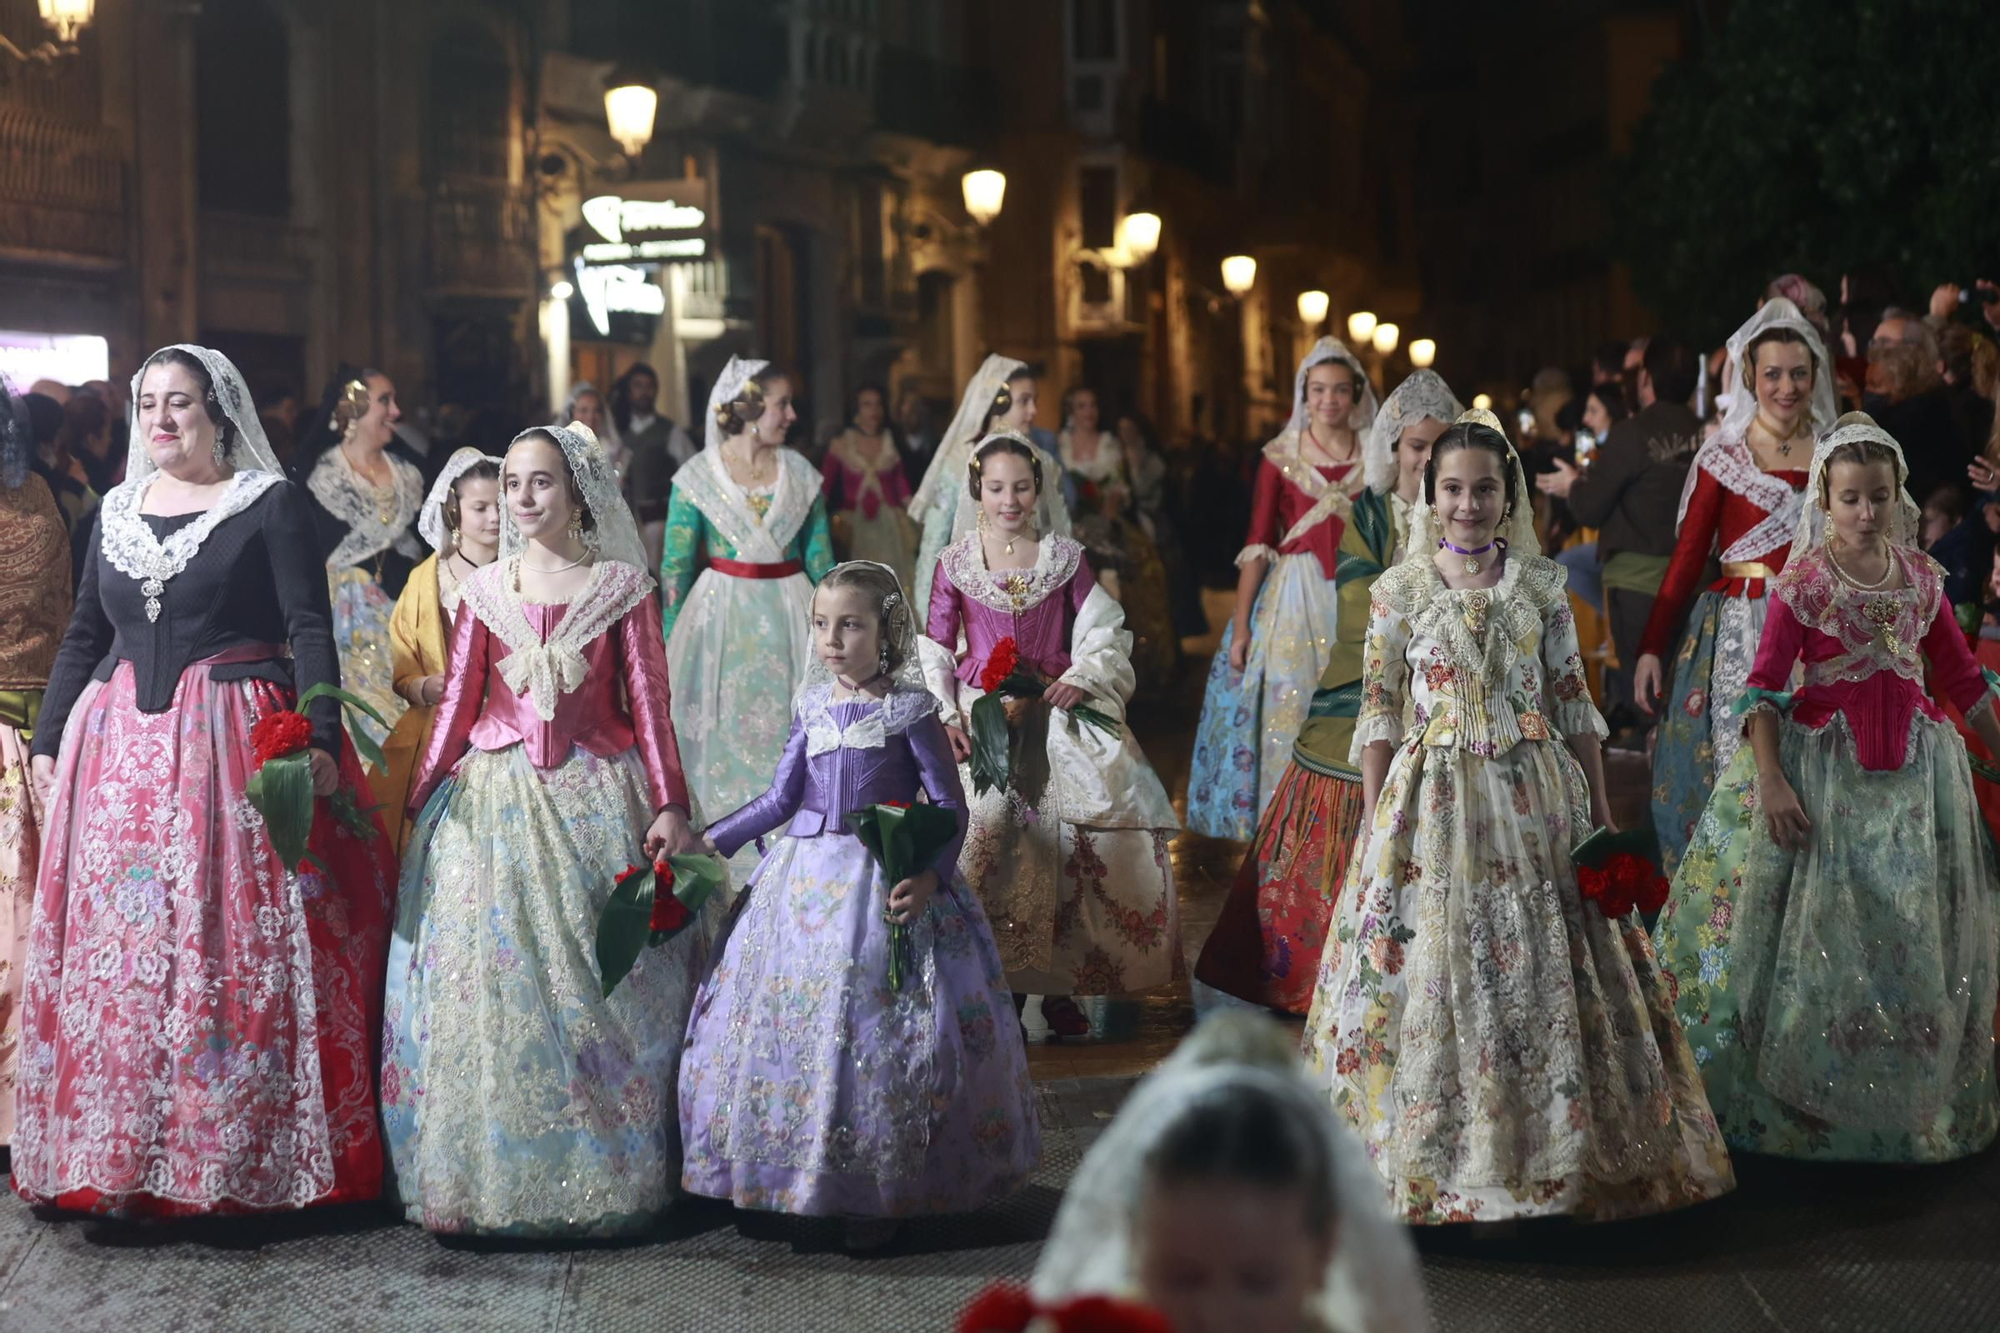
990	762
697	878
284	796
624	927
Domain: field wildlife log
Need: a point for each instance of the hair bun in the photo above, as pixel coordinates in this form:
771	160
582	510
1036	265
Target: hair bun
1856	419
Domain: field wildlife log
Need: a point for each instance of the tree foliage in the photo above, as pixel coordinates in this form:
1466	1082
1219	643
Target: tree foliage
1815	136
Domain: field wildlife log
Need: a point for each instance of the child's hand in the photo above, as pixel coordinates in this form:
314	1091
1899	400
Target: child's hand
961	744
908	900
1064	696
1783	815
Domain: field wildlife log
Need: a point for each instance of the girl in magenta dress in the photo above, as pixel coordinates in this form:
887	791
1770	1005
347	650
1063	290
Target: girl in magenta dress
1070	856
809	1085
866	490
199	1023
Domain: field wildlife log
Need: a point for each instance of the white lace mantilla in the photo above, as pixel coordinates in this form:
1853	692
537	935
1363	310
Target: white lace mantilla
1481	628
1880	630
351	499
1730	462
542	672
135	552
706	482
1012	590
900	710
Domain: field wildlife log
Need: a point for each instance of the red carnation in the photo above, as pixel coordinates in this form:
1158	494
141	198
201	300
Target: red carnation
669	912
280	734
1654	896
1592	881
1000	664
895	805
1004	1308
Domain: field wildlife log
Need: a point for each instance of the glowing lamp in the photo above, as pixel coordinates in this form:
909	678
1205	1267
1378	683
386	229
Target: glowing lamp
1313	307
1361	327
1138	237
985	192
1385	338
1239	274
629	107
1483	401
68	17
1423	351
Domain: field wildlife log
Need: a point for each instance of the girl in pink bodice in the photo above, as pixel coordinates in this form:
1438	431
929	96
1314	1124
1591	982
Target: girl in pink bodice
1070	857
866	490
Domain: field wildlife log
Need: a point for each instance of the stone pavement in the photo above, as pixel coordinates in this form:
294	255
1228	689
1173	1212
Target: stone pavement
1796	1248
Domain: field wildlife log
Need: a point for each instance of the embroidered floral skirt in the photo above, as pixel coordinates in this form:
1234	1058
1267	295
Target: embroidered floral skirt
1249	722
361	614
20	851
1266	945
808	1086
1503	1049
516	1096
1076	909
1840	1001
735	656
199	1025
1699	732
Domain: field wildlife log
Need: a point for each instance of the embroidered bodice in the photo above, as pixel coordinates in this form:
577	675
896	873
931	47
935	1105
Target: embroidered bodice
843	757
710	516
1735	511
359	520
1482	669
34	584
1299	508
853	480
165	592
1035	607
1864	654
588	673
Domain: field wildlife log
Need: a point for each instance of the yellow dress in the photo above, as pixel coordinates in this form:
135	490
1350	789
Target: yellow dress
418	630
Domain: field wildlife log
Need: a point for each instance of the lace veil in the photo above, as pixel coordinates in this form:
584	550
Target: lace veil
1330	348
1906	520
1739	400
1517	530
616	535
250	451
1423	394
955	446
430	519
1372	1281
728	385
900	626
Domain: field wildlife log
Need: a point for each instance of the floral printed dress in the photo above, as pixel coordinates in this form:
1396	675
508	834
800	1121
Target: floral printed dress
1503	1048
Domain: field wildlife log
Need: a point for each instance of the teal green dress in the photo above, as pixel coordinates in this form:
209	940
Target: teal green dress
738	644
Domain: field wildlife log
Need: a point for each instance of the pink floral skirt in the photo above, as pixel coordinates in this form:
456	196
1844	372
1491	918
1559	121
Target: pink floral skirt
199	1026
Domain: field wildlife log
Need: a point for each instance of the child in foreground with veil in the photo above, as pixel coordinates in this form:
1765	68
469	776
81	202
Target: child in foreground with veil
1504	1047
517	1097
1830	936
815	1080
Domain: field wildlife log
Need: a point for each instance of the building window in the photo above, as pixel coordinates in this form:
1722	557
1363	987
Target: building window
1097	206
243	109
1094	30
471	112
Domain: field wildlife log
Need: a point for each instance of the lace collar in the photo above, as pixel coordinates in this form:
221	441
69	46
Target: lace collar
352	499
543	671
847	448
1284	454
1481	628
891	715
132	549
1012	590
1100	467
1734	467
1879	631
727	506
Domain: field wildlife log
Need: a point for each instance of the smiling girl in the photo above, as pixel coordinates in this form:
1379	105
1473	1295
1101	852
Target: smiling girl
898	1102
1504	1048
1831	933
517	1097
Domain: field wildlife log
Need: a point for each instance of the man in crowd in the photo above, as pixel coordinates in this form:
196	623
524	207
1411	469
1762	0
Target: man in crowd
1907	398
655	448
1631	495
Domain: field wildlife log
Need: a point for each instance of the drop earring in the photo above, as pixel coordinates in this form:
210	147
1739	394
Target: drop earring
576	527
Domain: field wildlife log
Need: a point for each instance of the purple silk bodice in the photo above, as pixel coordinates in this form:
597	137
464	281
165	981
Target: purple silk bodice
857	765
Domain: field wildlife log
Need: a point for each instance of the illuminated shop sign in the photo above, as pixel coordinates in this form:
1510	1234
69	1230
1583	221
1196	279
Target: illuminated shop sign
625	289
620	247
631	229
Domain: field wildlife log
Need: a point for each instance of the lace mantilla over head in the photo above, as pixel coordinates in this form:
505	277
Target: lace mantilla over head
1881	631
896	712
1481	628
132	549
543	672
1012	590
351	499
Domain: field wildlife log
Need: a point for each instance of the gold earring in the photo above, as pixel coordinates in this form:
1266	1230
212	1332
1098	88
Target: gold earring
982	520
576	527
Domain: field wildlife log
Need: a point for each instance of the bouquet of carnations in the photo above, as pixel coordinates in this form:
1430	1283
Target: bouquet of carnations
650	905
905	841
1620	872
1006	1308
281	786
1003	678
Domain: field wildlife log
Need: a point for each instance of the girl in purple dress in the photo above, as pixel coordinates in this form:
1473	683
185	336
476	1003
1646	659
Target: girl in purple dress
808	1084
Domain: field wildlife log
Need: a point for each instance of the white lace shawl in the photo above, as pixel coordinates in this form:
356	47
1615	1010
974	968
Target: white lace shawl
132	549
1056	561
349	498
542	672
706	481
901	708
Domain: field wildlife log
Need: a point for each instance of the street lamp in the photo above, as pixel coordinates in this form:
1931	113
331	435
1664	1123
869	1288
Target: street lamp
1483	401
67	17
1385	338
1239	274
1313	307
1360	327
1138	238
1423	351
985	192
630	103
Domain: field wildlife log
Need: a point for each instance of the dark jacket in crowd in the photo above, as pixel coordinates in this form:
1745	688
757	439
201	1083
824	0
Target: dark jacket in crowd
1632	492
1932	444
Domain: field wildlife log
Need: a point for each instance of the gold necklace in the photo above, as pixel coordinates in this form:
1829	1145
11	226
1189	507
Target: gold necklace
1888	571
1784	441
521	560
